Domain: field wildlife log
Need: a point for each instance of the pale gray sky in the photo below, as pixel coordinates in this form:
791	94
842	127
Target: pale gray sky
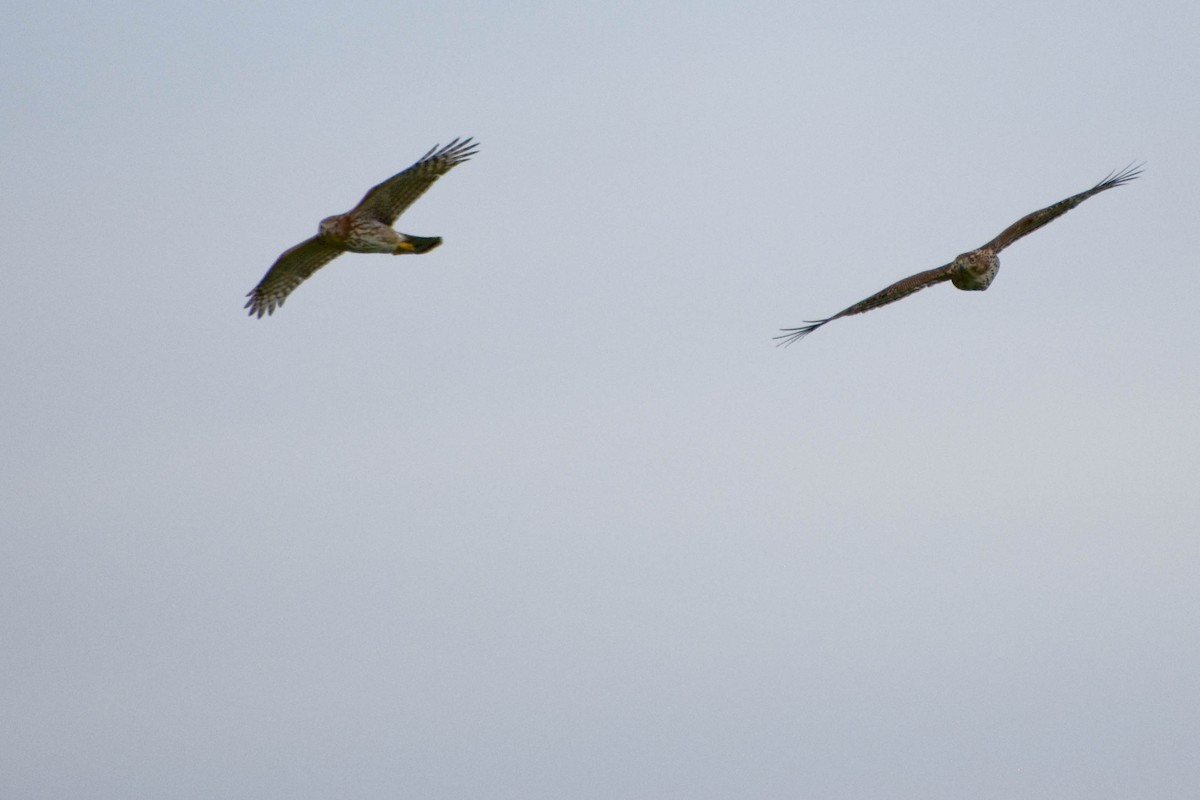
543	513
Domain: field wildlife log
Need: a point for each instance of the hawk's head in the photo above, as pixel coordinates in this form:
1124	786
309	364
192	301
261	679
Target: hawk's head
975	270
335	228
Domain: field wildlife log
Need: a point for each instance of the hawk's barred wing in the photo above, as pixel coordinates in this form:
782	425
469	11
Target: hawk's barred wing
388	200
897	291
289	271
1031	222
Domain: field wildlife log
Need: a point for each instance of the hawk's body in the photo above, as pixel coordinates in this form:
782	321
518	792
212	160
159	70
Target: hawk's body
367	228
972	271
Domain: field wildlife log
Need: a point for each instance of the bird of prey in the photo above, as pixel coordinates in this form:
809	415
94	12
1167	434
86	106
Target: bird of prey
971	271
367	228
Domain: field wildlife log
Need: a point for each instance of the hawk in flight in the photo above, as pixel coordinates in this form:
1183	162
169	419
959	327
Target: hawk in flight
971	271
367	228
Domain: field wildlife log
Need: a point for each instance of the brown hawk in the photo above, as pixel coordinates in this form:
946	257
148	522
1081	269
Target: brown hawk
971	271
367	228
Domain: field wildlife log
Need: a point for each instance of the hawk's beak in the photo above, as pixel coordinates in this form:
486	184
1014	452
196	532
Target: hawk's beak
405	246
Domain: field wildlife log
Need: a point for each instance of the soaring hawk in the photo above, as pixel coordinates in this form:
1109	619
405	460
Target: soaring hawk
367	228
971	271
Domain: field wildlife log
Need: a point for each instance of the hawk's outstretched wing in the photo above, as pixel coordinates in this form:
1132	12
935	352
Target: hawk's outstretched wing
1031	222
289	271
388	200
898	290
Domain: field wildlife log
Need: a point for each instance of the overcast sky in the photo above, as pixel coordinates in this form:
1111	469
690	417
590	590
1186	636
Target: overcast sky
544	513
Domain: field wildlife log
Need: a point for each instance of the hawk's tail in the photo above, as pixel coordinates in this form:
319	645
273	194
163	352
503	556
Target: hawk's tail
419	244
